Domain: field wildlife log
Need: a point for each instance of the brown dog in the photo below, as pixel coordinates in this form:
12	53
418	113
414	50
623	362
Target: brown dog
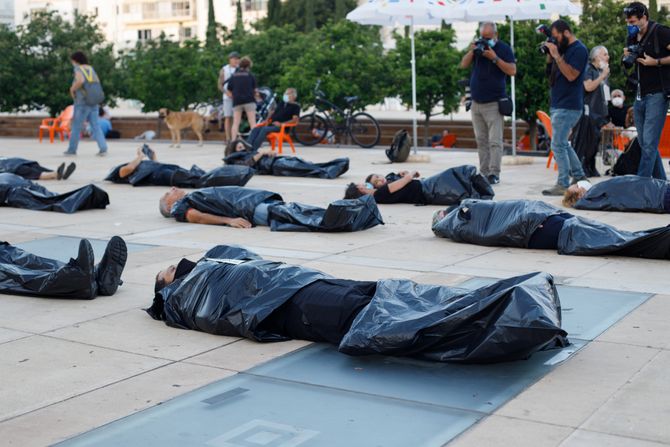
176	121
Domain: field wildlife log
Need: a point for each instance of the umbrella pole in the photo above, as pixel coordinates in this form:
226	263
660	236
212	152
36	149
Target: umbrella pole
511	22
414	132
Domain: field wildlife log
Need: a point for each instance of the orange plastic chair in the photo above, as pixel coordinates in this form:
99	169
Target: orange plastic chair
546	122
59	125
281	137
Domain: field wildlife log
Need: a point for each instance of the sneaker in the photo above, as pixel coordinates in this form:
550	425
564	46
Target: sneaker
108	272
493	179
70	169
59	171
85	257
102	154
556	190
148	152
579	179
70	154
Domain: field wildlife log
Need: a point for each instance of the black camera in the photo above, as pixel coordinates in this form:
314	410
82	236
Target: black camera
545	31
635	52
481	45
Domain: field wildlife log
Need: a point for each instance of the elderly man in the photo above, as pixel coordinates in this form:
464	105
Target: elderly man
492	63
446	188
149	172
618	111
286	112
18	192
242	295
23	273
32	170
625	193
240	207
538	225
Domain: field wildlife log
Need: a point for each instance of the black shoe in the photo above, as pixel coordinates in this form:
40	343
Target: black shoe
579	179
146	150
59	171
85	257
70	169
108	272
493	179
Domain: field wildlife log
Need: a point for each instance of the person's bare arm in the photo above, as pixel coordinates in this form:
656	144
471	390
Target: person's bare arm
509	68
291	121
222	77
129	168
592	84
468	57
198	217
400	184
263	153
77	83
570	72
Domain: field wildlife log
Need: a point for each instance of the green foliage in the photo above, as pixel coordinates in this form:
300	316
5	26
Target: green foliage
340	9
349	60
653	9
163	73
36	71
239	21
274	13
211	36
297	12
310	19
436	71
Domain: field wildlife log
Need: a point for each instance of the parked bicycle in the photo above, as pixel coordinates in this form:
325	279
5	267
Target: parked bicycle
330	121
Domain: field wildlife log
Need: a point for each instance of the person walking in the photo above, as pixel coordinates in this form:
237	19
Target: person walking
224	77
242	86
87	93
492	62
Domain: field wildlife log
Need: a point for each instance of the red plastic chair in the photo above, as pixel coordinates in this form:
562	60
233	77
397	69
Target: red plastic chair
59	125
546	122
281	137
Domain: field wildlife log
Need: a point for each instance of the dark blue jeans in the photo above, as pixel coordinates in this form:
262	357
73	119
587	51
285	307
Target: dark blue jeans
650	112
258	135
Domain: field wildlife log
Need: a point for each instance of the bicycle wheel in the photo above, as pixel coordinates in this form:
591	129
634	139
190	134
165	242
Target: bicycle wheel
311	129
364	130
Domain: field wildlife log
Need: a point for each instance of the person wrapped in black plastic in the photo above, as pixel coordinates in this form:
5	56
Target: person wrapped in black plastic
446	188
32	170
149	172
18	192
240	207
232	291
265	162
625	193
538	225
23	273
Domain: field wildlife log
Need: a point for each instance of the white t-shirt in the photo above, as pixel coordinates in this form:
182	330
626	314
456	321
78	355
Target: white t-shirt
584	184
227	73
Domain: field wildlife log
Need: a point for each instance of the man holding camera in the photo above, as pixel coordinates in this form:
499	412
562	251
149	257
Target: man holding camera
492	61
649	51
566	58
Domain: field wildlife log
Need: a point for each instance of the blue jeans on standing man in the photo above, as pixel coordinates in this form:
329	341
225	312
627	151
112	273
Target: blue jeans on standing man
650	112
83	112
562	122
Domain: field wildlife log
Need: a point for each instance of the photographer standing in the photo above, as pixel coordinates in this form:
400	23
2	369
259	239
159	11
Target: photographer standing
567	59
649	45
493	62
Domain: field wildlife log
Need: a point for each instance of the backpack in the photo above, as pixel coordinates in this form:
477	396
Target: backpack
400	147
93	93
629	160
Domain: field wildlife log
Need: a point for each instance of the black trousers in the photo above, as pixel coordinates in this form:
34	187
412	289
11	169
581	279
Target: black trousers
23	273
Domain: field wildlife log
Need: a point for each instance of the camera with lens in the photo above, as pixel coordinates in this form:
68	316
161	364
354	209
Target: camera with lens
635	52
481	45
545	31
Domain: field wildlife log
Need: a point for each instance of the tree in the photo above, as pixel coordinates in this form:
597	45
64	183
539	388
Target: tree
653	10
296	12
349	60
340	9
239	21
163	73
310	19
36	71
436	72
211	36
274	13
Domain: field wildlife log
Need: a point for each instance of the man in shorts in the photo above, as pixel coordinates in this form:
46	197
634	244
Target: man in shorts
224	76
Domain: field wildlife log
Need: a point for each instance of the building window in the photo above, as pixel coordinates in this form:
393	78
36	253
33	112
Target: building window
181	9
150	10
251	5
143	34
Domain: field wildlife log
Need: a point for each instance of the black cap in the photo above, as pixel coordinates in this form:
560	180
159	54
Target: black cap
234	54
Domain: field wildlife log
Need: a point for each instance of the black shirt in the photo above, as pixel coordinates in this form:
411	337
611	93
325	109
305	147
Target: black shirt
411	193
285	111
653	78
243	85
618	115
546	236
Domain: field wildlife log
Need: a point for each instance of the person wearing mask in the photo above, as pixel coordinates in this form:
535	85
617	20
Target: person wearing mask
652	72
617	110
490	68
225	74
288	111
566	65
242	87
87	94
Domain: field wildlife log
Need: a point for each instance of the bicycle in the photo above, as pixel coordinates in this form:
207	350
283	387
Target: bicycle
329	121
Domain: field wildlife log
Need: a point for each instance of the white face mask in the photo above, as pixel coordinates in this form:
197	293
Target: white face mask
285	98
617	102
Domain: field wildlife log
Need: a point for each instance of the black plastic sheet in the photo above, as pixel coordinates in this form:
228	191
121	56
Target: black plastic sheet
228	201
20	193
585	140
289	166
22	273
27	169
626	193
152	173
456	184
232	291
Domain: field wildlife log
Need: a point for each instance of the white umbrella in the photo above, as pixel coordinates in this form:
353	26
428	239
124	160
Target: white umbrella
407	12
494	10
